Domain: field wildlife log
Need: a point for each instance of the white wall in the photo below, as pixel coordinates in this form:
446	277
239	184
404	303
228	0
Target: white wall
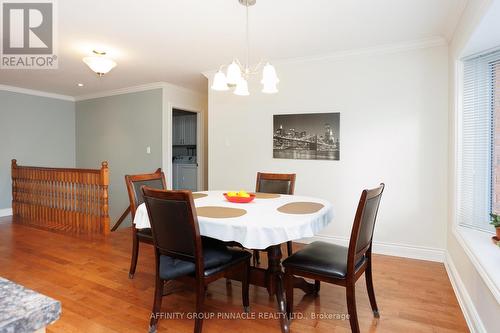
393	129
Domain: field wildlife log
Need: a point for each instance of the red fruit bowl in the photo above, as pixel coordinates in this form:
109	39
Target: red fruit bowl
240	199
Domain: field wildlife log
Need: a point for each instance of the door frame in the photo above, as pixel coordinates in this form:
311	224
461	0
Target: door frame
167	165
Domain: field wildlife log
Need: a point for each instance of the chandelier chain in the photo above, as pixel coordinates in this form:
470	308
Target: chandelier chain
248	41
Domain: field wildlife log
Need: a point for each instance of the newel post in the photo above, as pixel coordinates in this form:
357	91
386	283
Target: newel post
105	196
13	174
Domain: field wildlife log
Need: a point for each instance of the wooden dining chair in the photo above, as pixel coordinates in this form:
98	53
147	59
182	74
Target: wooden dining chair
340	265
180	251
134	184
278	183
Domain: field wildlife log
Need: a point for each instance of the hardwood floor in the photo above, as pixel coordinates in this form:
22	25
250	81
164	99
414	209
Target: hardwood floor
90	278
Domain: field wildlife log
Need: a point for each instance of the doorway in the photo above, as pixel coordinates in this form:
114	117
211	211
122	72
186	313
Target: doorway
185	150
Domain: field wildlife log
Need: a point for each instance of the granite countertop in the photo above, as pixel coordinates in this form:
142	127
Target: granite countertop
23	310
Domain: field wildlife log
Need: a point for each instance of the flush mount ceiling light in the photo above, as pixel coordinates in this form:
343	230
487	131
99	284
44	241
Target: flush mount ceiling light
237	75
99	63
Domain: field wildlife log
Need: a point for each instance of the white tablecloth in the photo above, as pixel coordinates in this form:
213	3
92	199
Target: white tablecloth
262	226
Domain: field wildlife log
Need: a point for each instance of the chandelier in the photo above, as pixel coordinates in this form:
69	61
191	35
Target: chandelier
238	74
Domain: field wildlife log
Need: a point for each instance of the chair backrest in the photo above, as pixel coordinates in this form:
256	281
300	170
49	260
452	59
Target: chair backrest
174	223
280	183
135	182
364	225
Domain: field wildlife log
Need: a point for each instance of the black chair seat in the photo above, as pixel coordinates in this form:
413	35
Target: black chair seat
322	258
217	258
237	256
146	232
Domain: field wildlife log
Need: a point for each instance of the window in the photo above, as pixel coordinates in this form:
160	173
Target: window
495	67
479	172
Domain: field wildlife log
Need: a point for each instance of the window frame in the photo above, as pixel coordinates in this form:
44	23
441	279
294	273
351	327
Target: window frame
471	240
459	139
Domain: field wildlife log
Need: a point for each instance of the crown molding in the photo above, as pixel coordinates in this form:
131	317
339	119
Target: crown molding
36	93
139	88
180	88
370	51
121	91
453	22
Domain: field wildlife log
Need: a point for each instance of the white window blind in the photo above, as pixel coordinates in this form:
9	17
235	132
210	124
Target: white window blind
477	146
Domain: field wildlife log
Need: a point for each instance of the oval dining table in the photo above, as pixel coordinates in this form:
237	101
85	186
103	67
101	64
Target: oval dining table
264	224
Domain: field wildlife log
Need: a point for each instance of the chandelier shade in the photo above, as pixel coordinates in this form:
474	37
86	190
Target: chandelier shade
233	73
220	82
99	63
269	75
242	88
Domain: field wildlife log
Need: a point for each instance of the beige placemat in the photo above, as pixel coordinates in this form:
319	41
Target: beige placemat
199	195
260	195
300	208
220	212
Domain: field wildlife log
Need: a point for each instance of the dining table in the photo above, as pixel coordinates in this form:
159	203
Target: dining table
263	224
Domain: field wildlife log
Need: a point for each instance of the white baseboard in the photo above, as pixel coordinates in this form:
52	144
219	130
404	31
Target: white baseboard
468	309
5	212
391	249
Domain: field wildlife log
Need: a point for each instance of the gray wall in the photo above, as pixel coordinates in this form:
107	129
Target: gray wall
118	129
36	131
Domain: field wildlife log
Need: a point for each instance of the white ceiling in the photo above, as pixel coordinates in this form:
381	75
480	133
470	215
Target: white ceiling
176	40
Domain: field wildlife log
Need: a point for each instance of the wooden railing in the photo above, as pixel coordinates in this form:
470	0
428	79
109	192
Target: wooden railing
67	200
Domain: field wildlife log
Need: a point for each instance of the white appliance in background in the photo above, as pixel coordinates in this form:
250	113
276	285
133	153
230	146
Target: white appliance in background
185	173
